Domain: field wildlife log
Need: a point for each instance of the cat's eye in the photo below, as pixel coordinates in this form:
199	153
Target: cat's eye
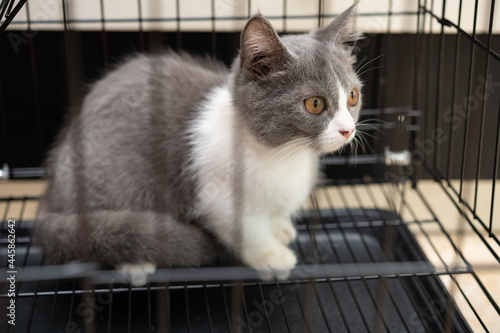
314	105
353	97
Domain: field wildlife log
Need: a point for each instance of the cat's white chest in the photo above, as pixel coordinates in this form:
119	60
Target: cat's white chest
236	174
280	180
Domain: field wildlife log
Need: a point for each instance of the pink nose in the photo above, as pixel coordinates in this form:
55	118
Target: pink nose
347	133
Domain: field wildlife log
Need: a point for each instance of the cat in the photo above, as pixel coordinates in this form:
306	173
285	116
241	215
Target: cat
173	158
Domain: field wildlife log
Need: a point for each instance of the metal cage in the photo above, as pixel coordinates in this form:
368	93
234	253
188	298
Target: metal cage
402	236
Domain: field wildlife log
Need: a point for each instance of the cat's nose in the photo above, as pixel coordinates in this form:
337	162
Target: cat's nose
346	133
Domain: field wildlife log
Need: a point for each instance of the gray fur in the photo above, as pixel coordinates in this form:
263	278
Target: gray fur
126	152
120	184
311	65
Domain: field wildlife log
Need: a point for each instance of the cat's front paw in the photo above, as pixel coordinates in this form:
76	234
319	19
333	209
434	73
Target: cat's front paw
137	272
270	260
283	230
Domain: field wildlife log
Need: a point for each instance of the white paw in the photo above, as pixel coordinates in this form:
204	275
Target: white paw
283	230
137	272
270	260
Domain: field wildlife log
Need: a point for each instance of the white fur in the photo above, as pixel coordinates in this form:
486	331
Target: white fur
342	120
138	272
247	190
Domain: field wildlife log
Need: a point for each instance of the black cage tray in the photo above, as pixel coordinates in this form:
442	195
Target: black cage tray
413	302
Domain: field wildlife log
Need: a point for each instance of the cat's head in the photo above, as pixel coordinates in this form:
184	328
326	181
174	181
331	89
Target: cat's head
299	86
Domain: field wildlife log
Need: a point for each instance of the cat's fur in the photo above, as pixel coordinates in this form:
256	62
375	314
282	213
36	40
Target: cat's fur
173	155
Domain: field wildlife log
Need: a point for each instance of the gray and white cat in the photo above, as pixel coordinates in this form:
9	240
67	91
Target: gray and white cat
173	157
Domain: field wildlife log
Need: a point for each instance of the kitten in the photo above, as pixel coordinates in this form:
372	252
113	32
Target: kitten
173	157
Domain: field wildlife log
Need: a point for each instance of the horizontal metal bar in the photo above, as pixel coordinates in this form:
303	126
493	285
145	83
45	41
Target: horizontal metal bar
360	159
90	271
35	172
207	18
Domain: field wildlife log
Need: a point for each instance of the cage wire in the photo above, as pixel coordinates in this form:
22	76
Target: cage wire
401	236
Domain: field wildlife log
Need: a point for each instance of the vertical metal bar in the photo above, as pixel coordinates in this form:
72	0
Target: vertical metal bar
110	307
483	107
320	12
141	30
53	309
495	174
467	111
207	304
259	285
163	308
427	98
413	134
104	36
186	303
238	299
150	322
287	324
178	23
129	310
306	327
451	141
380	318
388	245
32	310
226	308
312	282
285	9
214	35
72	302
437	120
401	283
356	303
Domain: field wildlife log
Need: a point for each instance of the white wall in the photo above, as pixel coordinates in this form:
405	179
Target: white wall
195	14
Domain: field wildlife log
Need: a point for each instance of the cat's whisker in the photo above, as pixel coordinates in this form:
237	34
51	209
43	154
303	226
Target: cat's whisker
372	122
354	47
354	151
360	144
300	155
363	142
370	69
372	119
367	134
369	62
285	146
296	150
361	62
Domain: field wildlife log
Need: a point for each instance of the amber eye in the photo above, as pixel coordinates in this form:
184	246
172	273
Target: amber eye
353	97
314	105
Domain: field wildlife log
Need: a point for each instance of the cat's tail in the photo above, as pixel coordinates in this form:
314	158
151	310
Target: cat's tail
116	237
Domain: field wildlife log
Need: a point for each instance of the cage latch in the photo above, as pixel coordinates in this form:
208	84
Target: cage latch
397	157
4	172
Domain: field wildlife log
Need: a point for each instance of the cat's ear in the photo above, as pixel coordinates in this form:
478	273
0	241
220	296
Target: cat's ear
341	31
262	52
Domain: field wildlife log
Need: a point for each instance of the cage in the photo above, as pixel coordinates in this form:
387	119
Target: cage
400	237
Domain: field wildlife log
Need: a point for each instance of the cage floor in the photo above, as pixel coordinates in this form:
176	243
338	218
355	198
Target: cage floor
361	269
